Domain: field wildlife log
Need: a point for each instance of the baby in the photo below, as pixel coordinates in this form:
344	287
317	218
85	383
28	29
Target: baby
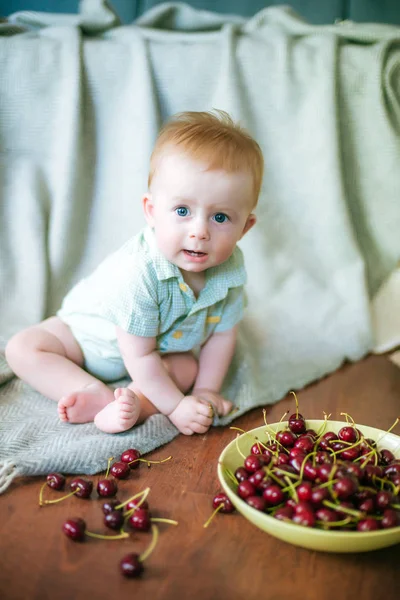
163	309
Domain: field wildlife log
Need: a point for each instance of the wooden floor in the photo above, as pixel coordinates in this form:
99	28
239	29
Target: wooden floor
231	559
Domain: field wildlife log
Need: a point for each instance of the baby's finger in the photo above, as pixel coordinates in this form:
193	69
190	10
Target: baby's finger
226	407
198	428
206	409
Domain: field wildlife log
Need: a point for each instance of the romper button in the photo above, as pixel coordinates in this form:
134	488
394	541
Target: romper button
177	334
183	287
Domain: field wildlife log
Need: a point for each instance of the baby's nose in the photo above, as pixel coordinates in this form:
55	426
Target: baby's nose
199	229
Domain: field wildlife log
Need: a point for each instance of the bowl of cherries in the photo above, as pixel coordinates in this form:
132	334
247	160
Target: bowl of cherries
332	486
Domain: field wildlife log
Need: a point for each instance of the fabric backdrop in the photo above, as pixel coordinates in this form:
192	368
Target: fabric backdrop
81	101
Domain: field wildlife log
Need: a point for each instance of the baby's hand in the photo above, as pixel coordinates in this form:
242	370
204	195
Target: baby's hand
192	415
222	407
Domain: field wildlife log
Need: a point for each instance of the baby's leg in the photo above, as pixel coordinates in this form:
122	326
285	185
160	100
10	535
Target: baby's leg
47	357
131	407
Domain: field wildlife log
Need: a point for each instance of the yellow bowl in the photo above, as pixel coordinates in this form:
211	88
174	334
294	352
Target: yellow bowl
307	537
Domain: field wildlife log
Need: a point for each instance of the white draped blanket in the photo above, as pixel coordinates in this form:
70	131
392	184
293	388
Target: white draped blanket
81	101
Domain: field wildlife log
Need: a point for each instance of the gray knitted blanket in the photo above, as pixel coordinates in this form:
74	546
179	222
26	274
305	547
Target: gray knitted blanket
77	126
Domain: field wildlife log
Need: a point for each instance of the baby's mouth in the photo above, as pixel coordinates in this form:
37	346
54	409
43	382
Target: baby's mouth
193	253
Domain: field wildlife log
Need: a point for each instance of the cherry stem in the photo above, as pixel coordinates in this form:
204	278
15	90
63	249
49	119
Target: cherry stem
144	495
283	416
108	465
323	427
152	545
237	446
42	502
353	423
354	445
150	462
292	488
99	536
162	520
229	474
297	404
327	524
206	524
349	511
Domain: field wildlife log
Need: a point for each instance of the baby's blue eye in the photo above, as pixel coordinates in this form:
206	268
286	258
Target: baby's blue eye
220	218
182	211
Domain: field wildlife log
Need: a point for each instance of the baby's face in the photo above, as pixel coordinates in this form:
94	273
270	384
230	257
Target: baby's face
198	215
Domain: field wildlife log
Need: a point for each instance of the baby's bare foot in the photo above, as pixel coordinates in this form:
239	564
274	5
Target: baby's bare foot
83	405
121	414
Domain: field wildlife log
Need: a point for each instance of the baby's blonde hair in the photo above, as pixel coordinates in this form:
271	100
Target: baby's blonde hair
212	137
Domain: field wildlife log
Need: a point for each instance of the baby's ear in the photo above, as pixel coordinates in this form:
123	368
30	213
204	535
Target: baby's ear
148	208
251	220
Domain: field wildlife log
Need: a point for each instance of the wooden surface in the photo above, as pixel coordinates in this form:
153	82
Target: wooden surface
231	559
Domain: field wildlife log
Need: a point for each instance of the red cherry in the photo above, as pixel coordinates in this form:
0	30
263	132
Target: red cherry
55	481
256	502
286	438
82	487
114	519
130	456
107	488
348	434
140	519
74	529
131	565
120	470
134	503
222	499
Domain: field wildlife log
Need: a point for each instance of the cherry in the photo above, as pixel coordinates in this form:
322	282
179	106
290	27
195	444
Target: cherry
367	525
256	449
348	434
273	495
55	481
305	518
390	518
120	470
74	529
386	457
297	452
140	519
257	477
383	499
350	453
256	502
324	472
82	487
345	487
392	470
304	491
252	463
367	505
318	495
107	488
297	425
111	505
309	471
326	515
131	565
130	456
221	500
246	489
282	459
284	513
241	474
323	457
114	519
306	443
326	440
286	438
135	502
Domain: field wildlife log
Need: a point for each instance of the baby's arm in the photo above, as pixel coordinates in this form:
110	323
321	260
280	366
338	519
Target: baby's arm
215	357
147	370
